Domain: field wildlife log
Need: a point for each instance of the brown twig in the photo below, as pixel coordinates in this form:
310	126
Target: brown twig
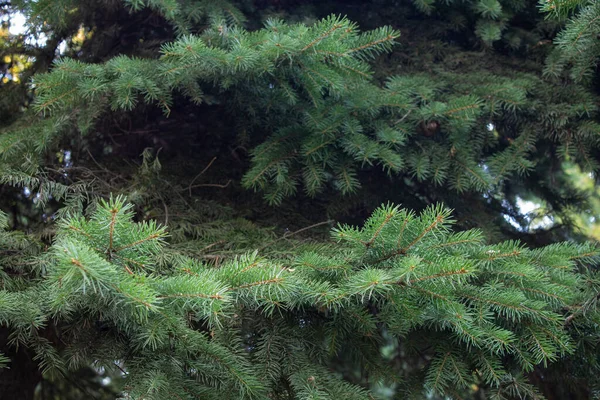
162	199
296	232
210	185
581	309
200	174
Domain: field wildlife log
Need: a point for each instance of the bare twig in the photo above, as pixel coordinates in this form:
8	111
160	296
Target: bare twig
210	185
98	164
296	232
122	370
165	207
404	117
200	174
581	309
212	245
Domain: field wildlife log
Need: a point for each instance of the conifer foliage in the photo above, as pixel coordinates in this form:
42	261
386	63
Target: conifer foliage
311	90
134	250
261	328
306	98
577	44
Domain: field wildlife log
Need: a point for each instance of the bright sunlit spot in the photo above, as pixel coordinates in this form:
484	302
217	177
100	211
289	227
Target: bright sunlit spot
529	210
526	206
17	24
62	47
18	27
511	220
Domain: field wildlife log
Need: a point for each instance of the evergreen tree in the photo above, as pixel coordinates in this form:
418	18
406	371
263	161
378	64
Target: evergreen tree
188	108
268	328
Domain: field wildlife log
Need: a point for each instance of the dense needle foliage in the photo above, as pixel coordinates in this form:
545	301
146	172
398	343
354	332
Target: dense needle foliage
267	328
191	199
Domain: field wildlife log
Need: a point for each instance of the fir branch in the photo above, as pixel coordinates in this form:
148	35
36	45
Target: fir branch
150	237
439	219
258	283
324	35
